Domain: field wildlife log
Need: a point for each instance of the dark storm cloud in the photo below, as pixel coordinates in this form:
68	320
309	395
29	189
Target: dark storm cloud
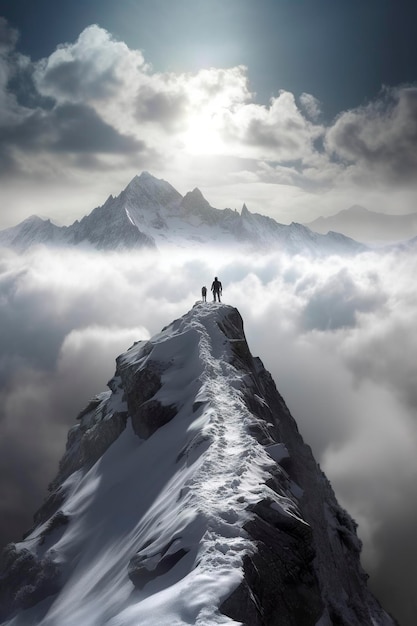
17	72
80	129
67	128
23	87
380	138
71	79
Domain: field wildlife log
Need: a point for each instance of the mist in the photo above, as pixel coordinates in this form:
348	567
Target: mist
336	335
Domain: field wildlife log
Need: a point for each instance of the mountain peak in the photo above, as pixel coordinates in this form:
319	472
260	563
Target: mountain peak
357	210
195	201
145	179
149	192
34	219
245	211
145	174
196	193
187	490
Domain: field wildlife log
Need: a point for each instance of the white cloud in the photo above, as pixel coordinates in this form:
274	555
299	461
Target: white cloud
311	106
93	69
278	132
379	139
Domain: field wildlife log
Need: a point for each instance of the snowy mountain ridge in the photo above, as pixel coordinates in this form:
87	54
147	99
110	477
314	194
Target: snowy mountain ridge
185	496
150	213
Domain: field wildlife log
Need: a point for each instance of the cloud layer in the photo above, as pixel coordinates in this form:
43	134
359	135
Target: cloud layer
95	106
337	336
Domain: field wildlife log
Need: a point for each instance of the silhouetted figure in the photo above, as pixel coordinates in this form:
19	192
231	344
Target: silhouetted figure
204	293
217	289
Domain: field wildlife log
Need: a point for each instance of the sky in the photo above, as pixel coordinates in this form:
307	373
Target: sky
299	108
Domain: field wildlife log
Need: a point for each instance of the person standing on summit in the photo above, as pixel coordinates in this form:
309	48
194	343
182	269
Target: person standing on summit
217	289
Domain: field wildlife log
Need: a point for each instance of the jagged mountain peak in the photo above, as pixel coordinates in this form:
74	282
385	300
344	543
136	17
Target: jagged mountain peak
245	211
187	496
194	200
195	193
33	219
145	175
147	187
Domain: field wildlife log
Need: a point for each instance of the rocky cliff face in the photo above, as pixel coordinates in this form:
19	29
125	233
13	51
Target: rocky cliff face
186	495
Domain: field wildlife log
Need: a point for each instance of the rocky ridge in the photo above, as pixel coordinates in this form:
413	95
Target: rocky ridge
186	495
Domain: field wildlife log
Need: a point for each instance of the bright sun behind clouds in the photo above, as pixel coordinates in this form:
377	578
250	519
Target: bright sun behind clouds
203	135
213	96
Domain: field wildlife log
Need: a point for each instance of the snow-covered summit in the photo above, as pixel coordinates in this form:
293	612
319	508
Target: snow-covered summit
150	193
149	212
187	496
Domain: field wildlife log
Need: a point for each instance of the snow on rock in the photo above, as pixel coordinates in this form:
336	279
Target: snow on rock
185	496
150	213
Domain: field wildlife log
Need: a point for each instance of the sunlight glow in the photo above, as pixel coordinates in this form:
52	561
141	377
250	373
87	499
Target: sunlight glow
203	135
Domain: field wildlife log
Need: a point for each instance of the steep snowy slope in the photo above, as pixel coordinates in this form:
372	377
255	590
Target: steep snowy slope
187	496
151	213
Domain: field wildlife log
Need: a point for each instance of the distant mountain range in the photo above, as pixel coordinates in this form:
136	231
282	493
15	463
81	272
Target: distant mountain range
368	226
150	213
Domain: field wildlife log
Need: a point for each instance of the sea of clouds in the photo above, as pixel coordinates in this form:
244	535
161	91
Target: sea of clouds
336	334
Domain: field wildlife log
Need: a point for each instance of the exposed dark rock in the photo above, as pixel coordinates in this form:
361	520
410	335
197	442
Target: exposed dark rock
280	586
288	581
140	575
57	522
140	386
86	444
147	565
150	416
49	507
25	580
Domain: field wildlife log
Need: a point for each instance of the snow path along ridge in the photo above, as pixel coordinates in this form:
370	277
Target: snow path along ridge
187	496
